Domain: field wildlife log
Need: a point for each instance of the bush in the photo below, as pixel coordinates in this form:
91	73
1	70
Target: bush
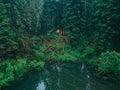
6	73
109	65
66	58
88	54
12	70
37	65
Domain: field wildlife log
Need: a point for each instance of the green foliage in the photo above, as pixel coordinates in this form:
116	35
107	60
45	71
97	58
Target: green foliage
106	26
88	54
6	75
66	58
40	54
51	16
8	44
91	25
36	65
12	70
26	16
109	64
52	49
20	68
71	19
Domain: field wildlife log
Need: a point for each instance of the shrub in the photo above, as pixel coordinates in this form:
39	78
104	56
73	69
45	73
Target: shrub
88	54
6	73
109	64
37	65
20	67
66	57
12	70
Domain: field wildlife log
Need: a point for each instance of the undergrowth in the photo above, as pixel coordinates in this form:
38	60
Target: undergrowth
13	70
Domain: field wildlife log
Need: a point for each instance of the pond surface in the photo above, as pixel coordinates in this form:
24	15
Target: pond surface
64	77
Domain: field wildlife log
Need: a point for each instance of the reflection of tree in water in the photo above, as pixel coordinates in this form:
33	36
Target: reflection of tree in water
64	77
51	79
57	78
54	78
41	86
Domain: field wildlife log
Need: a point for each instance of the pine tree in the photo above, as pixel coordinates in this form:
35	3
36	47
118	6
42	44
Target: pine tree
51	17
72	19
8	45
106	23
25	16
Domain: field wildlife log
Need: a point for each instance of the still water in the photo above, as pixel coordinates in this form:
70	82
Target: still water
64	77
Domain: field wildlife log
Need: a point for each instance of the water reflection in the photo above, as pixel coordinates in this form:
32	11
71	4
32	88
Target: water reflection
88	87
86	73
64	77
41	86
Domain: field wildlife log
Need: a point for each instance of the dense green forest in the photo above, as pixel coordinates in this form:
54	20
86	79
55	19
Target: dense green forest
36	32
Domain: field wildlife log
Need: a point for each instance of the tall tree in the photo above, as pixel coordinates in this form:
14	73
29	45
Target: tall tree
51	17
72	19
8	44
25	16
106	23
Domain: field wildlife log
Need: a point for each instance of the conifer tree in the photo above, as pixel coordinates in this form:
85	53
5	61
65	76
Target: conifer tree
72	19
25	16
106	23
8	45
52	15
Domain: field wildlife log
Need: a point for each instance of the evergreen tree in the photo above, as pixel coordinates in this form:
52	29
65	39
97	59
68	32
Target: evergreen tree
51	17
8	45
106	24
71	22
25	16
